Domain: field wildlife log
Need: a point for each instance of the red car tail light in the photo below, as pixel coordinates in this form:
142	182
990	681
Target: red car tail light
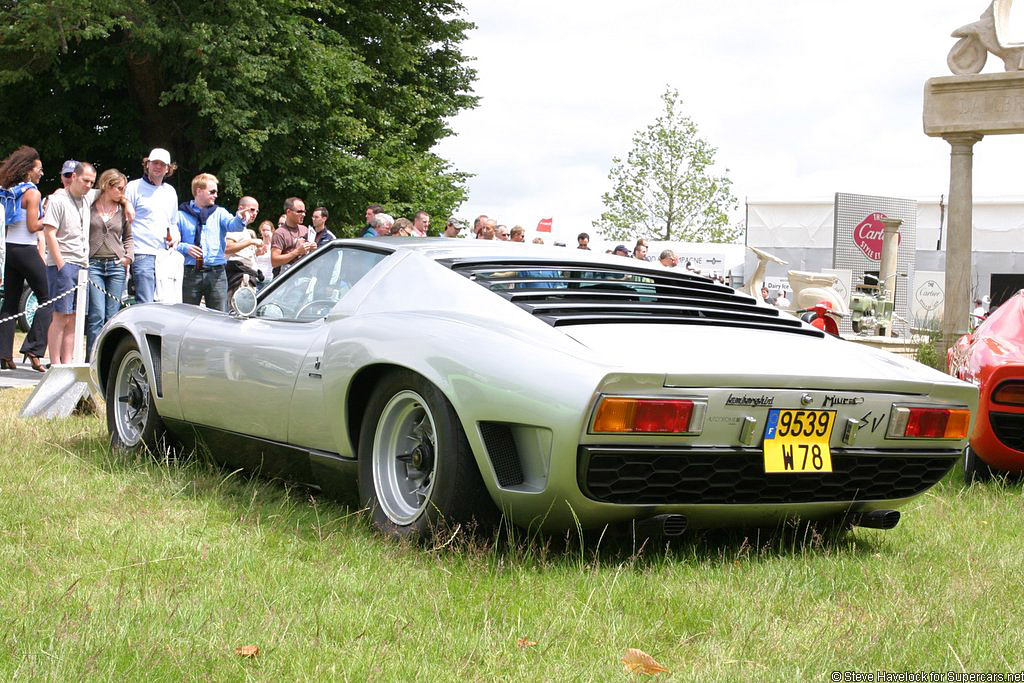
624	415
928	422
1009	393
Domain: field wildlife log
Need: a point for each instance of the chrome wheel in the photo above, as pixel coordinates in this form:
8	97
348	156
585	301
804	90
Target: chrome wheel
417	473
404	457
131	399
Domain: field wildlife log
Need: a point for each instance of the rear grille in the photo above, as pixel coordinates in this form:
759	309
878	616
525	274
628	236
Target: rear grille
573	293
1009	428
676	476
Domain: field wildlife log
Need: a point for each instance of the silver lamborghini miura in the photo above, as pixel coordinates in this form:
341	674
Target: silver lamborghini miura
450	379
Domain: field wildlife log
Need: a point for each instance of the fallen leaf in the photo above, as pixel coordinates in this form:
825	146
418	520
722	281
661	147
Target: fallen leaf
638	661
525	642
249	650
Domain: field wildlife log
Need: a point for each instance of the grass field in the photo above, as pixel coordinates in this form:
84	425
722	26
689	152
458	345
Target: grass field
130	569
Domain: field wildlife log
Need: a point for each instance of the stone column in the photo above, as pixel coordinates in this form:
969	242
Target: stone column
887	268
958	237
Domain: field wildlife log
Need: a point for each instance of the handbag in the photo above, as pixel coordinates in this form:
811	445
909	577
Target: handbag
170	272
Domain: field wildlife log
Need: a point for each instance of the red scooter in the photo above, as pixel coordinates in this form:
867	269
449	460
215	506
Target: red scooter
821	316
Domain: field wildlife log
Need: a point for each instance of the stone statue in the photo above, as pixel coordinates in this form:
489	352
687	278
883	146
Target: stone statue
809	289
986	35
756	281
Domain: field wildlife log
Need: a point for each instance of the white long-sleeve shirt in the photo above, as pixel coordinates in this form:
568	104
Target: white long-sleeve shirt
156	209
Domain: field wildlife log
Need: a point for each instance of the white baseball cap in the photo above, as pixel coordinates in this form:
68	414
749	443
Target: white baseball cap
160	154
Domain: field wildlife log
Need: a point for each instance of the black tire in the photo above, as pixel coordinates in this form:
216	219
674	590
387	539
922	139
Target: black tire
976	470
25	321
435	485
132	419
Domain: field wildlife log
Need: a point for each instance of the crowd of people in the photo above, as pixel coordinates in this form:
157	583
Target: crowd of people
486	228
137	234
125	232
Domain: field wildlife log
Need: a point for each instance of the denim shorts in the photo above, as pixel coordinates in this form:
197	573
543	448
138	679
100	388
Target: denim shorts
61	281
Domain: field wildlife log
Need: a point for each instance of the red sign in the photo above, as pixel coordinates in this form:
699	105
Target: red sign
544	225
868	235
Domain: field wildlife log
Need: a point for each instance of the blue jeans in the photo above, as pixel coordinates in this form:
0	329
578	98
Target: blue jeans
109	275
144	276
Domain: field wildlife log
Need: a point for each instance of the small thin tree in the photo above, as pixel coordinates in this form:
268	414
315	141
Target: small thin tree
664	189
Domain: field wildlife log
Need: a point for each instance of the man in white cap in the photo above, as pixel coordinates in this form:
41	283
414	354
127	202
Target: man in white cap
156	220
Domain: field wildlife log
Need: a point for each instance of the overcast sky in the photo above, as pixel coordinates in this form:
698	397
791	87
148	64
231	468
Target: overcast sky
803	98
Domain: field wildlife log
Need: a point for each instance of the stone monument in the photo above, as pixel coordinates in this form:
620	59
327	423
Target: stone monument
962	109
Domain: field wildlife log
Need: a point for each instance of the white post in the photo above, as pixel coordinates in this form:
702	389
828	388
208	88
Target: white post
81	297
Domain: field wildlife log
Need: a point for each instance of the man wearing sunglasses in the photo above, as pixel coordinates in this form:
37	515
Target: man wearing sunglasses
292	240
66	171
204	227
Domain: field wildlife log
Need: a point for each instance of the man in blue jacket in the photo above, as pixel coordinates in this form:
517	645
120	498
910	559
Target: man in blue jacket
204	226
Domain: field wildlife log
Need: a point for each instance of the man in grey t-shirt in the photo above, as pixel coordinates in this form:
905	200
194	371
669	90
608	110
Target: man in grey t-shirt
66	230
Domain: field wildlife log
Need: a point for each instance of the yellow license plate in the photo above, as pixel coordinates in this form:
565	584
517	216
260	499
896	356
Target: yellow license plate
797	441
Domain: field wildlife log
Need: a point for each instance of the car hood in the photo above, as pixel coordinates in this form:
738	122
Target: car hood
701	356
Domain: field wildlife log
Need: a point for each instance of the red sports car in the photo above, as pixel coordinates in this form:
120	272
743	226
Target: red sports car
992	357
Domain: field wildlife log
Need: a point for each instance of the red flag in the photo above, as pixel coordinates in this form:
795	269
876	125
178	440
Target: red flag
544	225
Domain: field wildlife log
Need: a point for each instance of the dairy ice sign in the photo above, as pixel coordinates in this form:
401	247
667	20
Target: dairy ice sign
868	235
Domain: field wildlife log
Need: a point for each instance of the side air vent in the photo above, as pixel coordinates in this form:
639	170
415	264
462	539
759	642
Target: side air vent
501	449
153	342
573	293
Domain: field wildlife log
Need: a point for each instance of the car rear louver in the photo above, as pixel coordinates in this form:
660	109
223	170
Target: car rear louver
568	293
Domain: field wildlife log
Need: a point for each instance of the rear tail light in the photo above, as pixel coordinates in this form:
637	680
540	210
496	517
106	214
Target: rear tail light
623	415
928	422
1009	393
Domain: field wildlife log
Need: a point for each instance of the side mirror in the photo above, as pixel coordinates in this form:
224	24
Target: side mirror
244	301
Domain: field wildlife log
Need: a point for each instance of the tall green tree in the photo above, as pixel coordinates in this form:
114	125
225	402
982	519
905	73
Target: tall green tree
336	101
665	189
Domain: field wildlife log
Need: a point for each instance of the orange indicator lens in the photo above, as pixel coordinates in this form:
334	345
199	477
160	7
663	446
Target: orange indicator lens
649	416
958	425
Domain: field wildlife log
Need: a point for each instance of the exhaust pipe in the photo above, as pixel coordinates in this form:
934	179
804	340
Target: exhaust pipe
666	526
877	519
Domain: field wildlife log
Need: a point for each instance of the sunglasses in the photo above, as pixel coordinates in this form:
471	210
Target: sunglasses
67	175
297	211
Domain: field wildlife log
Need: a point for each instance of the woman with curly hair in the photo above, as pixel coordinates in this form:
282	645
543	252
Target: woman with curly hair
19	173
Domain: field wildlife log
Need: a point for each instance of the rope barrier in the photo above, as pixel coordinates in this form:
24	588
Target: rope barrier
57	298
42	305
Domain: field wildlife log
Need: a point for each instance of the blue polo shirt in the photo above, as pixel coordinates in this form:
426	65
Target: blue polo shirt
212	240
